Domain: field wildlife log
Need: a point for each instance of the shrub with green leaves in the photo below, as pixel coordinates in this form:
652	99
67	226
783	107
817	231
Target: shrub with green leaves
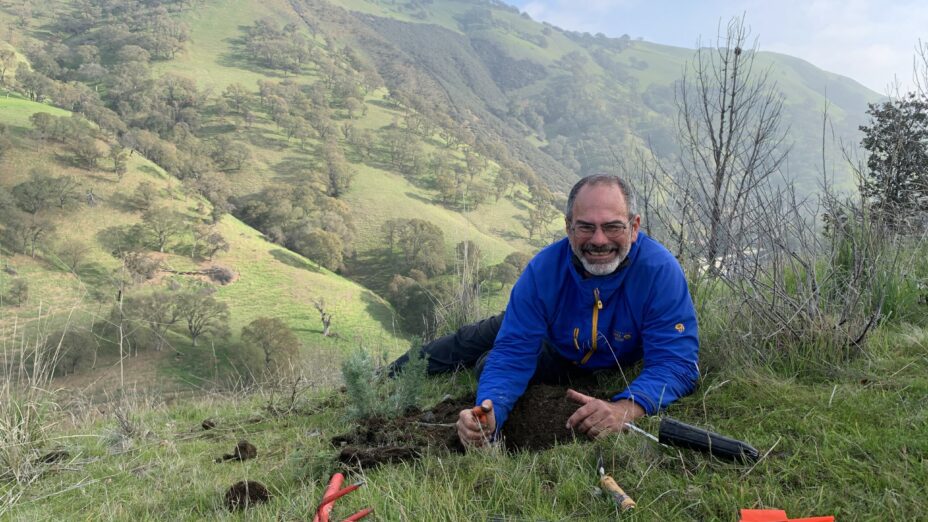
18	292
410	383
358	370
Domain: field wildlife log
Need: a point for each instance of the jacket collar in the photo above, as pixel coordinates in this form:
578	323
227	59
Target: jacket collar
607	284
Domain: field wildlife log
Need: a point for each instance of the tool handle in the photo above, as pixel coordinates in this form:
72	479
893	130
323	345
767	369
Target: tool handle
481	413
618	494
359	515
322	512
675	433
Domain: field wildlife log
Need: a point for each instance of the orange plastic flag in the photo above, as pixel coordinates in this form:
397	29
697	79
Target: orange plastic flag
776	515
763	515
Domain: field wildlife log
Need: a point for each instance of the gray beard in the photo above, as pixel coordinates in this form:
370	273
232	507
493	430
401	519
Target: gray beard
601	269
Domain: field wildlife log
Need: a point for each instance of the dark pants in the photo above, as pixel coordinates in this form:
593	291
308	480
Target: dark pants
469	346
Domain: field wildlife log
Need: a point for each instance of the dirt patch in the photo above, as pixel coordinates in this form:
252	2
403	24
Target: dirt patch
378	441
537	422
245	494
244	450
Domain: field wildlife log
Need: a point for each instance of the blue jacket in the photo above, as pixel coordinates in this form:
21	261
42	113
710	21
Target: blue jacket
642	311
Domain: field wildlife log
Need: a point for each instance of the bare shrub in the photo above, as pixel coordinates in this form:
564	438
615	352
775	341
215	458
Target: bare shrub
221	274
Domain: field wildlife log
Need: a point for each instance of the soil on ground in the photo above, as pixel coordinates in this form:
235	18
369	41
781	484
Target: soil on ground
537	422
244	450
246	493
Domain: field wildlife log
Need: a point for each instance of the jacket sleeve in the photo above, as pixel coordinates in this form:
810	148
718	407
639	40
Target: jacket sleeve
670	344
511	363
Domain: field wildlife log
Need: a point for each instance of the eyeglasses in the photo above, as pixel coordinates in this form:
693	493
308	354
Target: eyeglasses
610	230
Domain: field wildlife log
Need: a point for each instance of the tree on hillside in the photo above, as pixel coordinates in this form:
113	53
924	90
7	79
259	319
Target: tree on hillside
322	247
731	142
325	316
203	314
120	157
229	155
423	246
37	194
65	190
512	266
7	60
29	231
412	299
87	150
338	172
276	340
503	182
896	180
144	196
543	210
215	243
72	252
157	311
7	204
238	97
216	188
138	267
162	224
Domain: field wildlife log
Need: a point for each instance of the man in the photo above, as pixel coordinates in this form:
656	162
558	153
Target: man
604	297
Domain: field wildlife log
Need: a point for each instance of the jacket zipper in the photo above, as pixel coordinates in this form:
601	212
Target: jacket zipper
597	306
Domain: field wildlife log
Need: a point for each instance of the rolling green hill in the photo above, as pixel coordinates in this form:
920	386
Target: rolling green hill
317	124
269	280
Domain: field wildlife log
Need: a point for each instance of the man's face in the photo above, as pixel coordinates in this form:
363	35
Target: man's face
601	233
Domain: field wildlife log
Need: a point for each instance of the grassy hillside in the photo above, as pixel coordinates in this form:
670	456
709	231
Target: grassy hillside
631	81
823	453
313	124
269	280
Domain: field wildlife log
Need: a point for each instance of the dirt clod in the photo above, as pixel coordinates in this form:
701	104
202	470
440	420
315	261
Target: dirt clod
245	494
537	422
208	424
244	450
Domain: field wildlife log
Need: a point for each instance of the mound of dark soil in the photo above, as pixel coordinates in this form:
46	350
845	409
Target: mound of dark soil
245	494
208	424
537	422
244	450
377	440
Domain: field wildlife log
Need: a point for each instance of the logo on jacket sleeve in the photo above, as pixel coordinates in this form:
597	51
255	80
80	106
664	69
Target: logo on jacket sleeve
621	336
679	327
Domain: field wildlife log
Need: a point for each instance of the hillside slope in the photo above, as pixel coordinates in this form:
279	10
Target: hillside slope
348	132
268	280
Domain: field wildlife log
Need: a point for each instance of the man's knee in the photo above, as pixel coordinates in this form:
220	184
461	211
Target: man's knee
461	349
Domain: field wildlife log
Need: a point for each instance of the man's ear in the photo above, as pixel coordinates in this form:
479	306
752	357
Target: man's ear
566	225
636	226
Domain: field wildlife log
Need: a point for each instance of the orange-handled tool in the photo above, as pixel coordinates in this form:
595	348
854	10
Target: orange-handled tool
609	484
333	493
481	413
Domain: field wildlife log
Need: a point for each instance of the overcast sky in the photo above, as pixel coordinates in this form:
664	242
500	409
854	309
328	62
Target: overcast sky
870	41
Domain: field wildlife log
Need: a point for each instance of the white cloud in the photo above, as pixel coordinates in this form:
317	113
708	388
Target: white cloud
868	40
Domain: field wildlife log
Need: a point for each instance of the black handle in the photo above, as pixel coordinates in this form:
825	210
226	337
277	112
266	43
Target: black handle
675	433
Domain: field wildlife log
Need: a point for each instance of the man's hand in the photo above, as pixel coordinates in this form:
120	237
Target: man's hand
596	417
471	430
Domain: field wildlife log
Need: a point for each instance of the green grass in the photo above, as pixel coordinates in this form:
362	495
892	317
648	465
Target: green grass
270	280
850	446
15	111
211	56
